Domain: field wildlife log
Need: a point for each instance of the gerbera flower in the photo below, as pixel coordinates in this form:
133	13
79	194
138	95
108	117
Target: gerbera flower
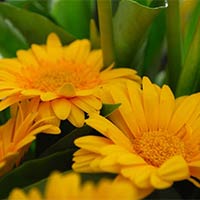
153	139
69	187
18	132
66	78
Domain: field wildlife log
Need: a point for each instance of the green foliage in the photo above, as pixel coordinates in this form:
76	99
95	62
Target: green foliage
34	27
35	170
73	16
131	23
189	78
10	38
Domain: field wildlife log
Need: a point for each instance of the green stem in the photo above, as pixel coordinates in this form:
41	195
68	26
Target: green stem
173	43
106	30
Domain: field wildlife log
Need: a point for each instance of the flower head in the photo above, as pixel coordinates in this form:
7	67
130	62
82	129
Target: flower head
66	78
18	132
153	139
69	187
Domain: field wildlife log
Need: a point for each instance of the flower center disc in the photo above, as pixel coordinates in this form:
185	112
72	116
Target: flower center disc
156	147
49	77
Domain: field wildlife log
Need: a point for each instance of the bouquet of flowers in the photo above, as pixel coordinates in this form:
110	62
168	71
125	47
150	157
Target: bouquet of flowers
99	99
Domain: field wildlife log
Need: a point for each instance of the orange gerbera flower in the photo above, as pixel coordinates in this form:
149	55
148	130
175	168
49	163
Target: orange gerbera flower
18	132
66	78
153	139
69	187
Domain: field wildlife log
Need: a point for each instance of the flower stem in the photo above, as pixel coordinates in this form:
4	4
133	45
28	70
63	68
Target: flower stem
106	30
173	43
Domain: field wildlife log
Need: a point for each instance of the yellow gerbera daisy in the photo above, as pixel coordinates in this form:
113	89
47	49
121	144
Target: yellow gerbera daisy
19	131
66	78
69	187
153	139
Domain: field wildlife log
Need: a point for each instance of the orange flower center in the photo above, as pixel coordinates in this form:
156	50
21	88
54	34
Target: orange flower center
49	78
157	147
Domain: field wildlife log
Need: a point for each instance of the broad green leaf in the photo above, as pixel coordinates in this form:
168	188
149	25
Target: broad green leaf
67	142
34	27
108	109
10	39
94	35
38	6
153	52
131	23
73	15
106	31
4	116
35	170
191	25
190	76
174	43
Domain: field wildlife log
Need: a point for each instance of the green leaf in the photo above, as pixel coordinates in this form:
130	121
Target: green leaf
4	116
35	170
108	109
10	39
38	6
190	75
154	47
94	35
131	23
67	142
174	43
74	16
34	27
191	25
106	31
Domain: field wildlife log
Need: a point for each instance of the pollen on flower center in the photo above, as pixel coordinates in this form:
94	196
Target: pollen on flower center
49	78
156	147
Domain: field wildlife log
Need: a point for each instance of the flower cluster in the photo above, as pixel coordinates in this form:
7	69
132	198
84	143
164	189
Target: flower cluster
149	142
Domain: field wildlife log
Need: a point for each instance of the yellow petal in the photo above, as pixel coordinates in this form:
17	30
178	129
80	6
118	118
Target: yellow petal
174	169
34	194
119	95
131	159
18	194
88	104
54	47
183	112
47	96
61	108
40	53
109	130
135	97
109	164
117	73
95	60
67	90
27	58
166	107
92	143
77	50
76	116
159	183
195	169
10	100
151	102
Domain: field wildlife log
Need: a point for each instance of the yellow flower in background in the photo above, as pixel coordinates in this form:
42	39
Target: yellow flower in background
69	187
66	78
19	131
153	139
